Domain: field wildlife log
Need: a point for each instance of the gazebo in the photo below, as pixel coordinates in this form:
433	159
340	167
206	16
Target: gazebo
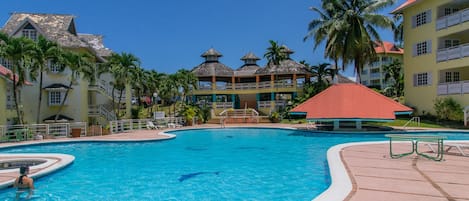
350	102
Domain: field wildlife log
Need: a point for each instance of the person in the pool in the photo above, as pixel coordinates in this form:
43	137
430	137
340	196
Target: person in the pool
24	183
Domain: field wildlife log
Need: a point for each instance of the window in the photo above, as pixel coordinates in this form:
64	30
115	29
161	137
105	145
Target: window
422	48
55	97
6	63
421	18
452	77
423	79
451	43
54	67
30	33
449	11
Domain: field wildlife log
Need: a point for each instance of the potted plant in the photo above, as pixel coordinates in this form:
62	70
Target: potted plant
274	117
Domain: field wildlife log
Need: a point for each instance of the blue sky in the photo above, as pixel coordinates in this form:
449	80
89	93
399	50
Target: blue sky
169	35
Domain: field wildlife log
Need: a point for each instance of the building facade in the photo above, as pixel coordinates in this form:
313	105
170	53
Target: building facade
436	61
86	102
372	74
265	89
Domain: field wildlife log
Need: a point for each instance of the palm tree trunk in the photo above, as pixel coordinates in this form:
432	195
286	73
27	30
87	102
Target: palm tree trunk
119	103
113	102
38	115
63	101
15	96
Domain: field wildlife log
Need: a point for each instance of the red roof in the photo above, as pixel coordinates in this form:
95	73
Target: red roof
403	6
7	73
388	48
350	101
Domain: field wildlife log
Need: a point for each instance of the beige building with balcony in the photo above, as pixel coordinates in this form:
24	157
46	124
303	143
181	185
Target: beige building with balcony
86	102
436	61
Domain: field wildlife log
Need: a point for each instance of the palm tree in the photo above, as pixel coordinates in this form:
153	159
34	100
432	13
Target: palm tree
78	63
350	29
121	67
187	81
393	71
275	53
155	81
44	51
398	29
18	51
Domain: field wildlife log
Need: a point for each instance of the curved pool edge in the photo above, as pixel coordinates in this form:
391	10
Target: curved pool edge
57	162
341	184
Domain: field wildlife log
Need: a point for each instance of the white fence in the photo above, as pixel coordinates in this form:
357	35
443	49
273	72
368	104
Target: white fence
38	131
461	87
126	125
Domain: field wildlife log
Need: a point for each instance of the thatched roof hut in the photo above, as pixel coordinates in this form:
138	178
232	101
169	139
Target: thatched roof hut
211	66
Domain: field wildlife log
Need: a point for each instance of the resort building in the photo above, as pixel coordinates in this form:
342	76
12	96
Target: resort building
265	89
436	61
86	102
372	74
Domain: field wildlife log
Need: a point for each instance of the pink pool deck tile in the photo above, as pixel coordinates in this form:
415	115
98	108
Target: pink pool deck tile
376	176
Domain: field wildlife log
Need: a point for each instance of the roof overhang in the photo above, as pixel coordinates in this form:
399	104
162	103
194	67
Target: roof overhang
405	5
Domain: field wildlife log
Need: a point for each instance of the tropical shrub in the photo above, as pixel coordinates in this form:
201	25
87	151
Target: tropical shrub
448	109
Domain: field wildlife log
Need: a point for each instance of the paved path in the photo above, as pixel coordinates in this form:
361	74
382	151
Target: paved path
378	177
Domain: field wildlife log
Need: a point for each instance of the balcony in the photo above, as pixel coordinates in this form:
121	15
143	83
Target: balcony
375	75
451	53
451	20
250	86
449	88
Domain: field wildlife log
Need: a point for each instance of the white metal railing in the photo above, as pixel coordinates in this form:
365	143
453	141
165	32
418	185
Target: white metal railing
263	104
125	125
413	119
101	110
34	131
451	53
107	89
245	86
224	104
461	87
453	19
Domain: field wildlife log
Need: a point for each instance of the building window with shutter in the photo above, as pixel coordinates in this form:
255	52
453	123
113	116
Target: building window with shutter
422	79
422	48
421	18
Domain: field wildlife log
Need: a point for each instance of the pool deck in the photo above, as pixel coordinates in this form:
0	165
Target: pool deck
374	175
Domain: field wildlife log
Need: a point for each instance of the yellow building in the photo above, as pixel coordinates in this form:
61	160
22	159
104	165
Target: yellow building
265	89
86	102
7	105
436	58
372	74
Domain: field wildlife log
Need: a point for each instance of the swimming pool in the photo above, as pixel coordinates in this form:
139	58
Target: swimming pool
205	164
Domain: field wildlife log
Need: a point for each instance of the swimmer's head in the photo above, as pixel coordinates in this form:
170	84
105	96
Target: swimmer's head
24	170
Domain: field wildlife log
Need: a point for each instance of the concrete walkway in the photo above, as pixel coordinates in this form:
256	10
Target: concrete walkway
375	176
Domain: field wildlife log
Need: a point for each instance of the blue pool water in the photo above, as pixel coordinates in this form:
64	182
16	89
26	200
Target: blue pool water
207	164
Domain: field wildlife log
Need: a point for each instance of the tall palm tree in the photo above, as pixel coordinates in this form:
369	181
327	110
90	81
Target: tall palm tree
349	28
275	53
44	51
121	67
393	71
187	81
321	71
18	51
398	29
78	63
138	82
155	81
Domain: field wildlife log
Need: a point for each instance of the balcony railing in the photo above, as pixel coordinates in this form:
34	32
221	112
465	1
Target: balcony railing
453	19
224	105
461	87
250	85
101	110
375	75
451	53
266	104
107	89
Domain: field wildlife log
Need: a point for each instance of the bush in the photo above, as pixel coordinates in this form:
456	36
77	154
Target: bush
448	109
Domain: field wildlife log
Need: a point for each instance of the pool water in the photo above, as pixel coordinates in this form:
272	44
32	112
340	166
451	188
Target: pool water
205	164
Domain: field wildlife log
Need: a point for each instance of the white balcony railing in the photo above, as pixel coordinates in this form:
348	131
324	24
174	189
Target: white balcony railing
453	19
224	105
451	53
461	87
107	90
263	104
